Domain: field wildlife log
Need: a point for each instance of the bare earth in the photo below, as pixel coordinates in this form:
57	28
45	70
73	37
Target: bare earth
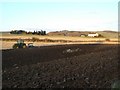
61	66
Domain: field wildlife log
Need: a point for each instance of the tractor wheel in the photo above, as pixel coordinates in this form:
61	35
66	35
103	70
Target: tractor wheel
15	47
24	46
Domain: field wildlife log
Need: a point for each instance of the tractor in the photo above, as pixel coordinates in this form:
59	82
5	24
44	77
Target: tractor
20	44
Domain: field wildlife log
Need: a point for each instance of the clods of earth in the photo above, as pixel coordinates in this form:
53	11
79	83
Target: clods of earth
61	66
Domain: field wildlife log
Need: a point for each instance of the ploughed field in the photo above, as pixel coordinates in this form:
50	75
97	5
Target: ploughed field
61	66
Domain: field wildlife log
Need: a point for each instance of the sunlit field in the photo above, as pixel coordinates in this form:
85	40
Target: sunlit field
8	40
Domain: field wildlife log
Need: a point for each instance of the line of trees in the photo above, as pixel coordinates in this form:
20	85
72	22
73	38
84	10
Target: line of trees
24	32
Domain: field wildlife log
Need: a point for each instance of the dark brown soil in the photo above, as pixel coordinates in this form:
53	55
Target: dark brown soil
62	66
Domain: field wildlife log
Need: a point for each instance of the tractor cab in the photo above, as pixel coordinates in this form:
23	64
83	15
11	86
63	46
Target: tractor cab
20	41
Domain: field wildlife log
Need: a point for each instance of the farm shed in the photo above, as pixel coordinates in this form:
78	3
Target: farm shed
93	35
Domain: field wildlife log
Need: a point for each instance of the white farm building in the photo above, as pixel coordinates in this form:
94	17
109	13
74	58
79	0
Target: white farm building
93	35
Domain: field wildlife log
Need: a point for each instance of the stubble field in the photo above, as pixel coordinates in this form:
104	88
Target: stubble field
8	40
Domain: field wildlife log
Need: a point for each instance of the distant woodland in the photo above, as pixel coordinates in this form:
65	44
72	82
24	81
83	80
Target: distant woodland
25	32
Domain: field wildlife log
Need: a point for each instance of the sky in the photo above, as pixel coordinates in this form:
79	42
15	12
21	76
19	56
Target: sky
74	15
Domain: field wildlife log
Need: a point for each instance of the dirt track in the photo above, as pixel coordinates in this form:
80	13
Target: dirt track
73	66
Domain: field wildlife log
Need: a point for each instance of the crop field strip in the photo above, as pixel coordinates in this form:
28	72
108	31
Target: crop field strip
51	40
